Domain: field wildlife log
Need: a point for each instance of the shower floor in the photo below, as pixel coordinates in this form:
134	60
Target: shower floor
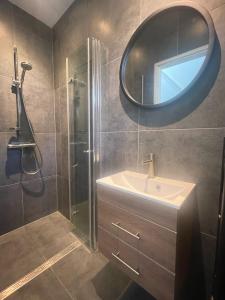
45	260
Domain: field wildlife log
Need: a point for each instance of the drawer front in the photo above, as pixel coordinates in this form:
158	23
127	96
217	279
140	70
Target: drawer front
150	210
151	239
158	281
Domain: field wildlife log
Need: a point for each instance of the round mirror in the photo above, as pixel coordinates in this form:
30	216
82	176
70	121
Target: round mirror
166	55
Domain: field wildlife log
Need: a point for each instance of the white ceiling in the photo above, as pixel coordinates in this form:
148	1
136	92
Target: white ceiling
47	11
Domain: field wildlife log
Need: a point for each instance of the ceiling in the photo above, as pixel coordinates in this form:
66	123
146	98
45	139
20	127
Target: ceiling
47	11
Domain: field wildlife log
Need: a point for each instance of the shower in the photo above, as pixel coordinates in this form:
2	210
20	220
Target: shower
25	138
26	67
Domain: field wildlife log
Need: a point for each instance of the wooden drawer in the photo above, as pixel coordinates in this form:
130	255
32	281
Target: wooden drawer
155	279
150	210
153	240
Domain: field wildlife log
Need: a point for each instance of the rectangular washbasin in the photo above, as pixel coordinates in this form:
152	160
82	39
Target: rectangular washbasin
171	192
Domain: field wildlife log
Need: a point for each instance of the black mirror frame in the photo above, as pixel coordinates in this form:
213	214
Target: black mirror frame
212	38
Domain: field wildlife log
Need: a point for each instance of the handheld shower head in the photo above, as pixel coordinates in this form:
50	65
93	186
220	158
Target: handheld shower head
26	67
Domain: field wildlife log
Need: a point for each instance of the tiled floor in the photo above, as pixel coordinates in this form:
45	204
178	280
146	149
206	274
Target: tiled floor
79	275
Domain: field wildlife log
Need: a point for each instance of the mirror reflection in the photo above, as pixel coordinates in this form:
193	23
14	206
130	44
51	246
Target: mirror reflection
165	56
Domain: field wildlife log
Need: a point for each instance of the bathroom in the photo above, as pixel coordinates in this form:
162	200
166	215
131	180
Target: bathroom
80	128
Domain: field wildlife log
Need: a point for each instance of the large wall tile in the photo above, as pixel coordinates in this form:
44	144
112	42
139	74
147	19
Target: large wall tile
47	146
119	151
9	161
149	6
190	155
63	110
39	104
7	104
74	22
11	208
117	113
6	38
57	111
63	196
39	198
59	153
113	24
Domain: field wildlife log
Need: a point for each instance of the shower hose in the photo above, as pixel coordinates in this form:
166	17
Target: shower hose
39	163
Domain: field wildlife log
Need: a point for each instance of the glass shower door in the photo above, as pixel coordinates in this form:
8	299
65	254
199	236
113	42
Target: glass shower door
83	97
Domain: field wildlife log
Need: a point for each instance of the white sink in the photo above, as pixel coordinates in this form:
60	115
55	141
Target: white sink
171	192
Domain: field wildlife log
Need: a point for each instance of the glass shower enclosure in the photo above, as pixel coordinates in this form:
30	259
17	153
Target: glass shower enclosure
84	90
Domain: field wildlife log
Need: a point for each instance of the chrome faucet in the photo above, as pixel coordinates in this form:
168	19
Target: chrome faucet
151	163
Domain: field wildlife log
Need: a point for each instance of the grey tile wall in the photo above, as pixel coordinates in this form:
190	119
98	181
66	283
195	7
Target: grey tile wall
187	137
34	42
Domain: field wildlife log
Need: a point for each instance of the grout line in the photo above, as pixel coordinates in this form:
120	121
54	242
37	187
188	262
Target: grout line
36	132
38	271
217	7
61	283
124	291
119	131
113	60
183	129
164	129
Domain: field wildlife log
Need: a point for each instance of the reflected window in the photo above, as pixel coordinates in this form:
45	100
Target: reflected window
173	75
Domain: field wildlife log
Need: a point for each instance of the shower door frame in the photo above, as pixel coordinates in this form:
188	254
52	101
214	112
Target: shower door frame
94	124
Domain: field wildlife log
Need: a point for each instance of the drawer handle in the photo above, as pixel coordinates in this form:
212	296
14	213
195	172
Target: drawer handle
136	236
125	264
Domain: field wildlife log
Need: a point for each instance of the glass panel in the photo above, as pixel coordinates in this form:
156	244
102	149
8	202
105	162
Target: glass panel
77	72
84	69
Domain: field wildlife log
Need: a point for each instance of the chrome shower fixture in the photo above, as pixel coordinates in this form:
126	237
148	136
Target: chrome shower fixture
25	135
26	66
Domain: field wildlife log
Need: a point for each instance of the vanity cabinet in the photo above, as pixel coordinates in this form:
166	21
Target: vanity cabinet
149	241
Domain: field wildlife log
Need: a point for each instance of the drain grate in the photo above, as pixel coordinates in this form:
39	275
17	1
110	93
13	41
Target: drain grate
40	269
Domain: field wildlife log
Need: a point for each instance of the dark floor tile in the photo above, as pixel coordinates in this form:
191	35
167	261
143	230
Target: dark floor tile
39	198
18	256
77	268
89	276
44	287
51	234
135	292
114	281
11	209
